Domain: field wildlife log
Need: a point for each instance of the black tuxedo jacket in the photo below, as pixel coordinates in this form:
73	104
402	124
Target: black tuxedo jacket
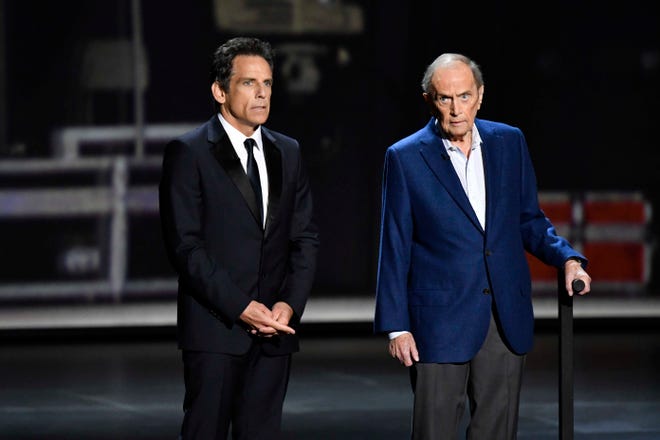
223	257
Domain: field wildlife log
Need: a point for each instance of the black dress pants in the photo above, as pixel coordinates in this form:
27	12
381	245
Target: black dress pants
243	392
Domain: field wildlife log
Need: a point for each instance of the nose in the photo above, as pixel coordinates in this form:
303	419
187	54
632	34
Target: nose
454	108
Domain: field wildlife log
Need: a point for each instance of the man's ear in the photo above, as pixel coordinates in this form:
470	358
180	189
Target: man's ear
481	95
429	101
218	93
427	98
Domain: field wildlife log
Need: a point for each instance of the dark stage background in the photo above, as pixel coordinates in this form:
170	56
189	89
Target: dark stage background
580	79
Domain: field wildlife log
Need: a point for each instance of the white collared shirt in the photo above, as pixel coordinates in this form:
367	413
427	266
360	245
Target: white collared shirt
470	172
237	141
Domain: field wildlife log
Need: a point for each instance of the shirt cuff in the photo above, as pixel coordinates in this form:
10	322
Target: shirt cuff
393	335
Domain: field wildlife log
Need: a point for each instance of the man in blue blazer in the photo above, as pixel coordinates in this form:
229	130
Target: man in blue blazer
459	210
245	251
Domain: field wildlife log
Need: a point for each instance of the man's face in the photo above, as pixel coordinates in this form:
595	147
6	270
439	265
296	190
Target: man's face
246	103
454	99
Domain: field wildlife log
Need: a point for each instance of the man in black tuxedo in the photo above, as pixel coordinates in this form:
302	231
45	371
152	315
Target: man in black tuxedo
244	249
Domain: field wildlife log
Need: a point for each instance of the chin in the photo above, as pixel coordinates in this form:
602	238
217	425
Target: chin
260	120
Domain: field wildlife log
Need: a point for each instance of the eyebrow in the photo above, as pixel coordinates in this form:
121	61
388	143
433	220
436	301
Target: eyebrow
250	78
466	92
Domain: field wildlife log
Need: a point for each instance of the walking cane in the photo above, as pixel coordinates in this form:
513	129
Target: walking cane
566	355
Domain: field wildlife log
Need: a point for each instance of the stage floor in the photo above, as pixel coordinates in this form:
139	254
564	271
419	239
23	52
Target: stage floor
127	385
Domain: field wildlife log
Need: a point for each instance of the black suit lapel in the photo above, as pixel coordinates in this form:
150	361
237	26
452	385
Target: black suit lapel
274	165
226	156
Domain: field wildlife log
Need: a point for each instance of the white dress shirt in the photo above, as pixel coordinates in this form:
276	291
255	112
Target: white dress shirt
470	172
237	141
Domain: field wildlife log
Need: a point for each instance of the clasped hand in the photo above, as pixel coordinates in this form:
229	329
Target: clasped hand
265	322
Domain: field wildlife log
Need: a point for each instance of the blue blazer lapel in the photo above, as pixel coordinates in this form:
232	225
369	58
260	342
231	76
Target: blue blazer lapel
492	157
224	153
434	154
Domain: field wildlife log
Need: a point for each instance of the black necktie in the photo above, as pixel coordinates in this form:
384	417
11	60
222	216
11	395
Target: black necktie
253	175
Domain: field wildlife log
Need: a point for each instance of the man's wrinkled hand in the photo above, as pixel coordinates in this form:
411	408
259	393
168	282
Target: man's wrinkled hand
404	349
573	271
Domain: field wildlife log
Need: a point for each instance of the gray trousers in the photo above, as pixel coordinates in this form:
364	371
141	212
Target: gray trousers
491	383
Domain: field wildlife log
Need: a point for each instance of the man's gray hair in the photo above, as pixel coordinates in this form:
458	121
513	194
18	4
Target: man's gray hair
444	60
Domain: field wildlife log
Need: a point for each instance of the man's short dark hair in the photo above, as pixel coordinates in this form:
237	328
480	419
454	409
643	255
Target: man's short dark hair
223	57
